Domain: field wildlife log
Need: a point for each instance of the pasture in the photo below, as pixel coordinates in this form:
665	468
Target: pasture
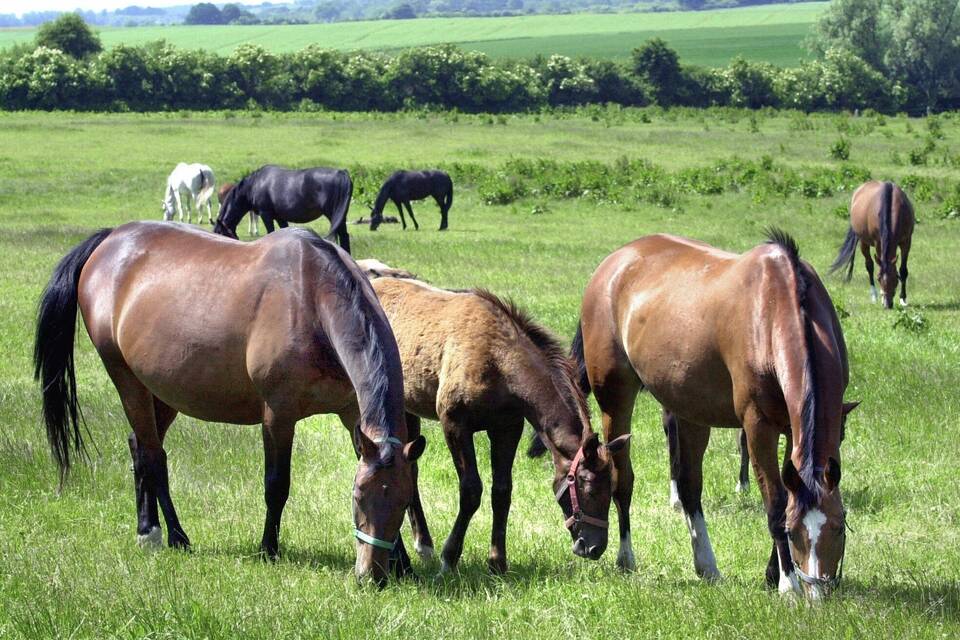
771	33
70	563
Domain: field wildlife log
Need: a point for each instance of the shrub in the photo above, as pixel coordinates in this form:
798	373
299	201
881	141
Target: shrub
840	150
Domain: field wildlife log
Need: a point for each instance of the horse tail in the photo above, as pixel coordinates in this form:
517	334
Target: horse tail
338	219
53	353
207	181
448	201
886	204
846	255
537	448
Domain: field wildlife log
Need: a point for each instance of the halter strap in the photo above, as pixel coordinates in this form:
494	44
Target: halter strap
376	542
389	439
577	515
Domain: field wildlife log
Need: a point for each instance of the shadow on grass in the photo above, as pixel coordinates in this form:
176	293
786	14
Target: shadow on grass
940	306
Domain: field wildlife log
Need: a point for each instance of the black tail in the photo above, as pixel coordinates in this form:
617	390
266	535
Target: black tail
846	255
448	201
537	448
53	353
338	220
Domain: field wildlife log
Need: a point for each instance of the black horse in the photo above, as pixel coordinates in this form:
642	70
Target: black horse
290	195
404	186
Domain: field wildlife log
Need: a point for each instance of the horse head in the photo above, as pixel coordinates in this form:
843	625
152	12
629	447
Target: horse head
232	210
382	490
888	278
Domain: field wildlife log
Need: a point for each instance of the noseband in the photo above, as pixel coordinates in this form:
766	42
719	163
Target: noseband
830	583
577	515
365	537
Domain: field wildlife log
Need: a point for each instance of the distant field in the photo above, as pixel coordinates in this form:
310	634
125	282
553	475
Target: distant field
770	33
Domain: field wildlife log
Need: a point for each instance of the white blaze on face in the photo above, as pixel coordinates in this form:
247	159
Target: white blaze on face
814	521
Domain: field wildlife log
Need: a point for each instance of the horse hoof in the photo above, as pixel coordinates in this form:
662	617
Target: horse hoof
153	539
710	575
425	551
445	568
742	487
497	566
178	540
903	302
626	562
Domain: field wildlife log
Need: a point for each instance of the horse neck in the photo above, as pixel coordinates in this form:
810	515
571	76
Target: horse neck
367	350
551	402
381	200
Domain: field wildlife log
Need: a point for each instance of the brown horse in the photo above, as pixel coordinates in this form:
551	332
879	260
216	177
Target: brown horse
477	363
747	341
881	216
296	329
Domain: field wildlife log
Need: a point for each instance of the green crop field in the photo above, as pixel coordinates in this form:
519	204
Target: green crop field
771	33
70	565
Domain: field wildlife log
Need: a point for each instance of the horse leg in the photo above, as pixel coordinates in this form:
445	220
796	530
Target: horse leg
277	447
267	222
904	253
503	449
410	211
148	518
403	220
692	442
422	541
178	202
459	438
762	441
253	229
743	484
670	431
616	398
443	213
865	250
150	460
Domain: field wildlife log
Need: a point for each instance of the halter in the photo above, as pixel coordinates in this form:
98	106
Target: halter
570	485
365	537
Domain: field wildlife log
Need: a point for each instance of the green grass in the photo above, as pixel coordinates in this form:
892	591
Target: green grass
69	562
771	33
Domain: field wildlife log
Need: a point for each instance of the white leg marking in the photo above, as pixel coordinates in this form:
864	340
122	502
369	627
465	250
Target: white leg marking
675	496
873	293
703	559
153	539
743	487
625	557
789	584
903	302
422	550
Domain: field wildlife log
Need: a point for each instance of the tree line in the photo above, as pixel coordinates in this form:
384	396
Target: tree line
67	69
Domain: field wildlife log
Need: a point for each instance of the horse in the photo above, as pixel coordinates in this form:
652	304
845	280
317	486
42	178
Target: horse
881	216
726	340
253	229
196	179
298	331
477	363
290	195
403	186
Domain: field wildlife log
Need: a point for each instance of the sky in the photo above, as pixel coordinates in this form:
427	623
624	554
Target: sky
20	7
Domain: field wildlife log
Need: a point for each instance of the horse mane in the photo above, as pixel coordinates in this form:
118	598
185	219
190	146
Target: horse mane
563	370
886	204
367	341
808	412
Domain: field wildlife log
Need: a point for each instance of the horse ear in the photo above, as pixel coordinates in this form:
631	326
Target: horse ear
791	478
849	406
831	477
368	448
413	450
617	444
591	446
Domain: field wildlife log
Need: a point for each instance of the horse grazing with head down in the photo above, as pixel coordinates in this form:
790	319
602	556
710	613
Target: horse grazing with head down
198	181
403	186
881	216
290	195
253	229
477	363
723	340
297	332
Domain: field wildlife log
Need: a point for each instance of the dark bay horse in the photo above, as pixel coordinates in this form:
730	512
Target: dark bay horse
403	186
881	216
253	228
290	195
296	331
477	363
722	340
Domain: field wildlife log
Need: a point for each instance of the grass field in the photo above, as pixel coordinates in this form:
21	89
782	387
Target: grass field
70	566
771	33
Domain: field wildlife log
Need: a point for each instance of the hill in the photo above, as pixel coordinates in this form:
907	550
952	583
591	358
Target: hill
771	33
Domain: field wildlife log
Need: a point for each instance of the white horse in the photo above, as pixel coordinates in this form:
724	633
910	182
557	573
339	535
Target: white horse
199	181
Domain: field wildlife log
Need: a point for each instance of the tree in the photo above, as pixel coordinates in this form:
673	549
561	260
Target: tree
204	13
859	26
70	34
234	14
658	66
401	12
925	48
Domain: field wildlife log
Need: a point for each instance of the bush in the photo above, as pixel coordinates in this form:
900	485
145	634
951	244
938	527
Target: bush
70	34
840	150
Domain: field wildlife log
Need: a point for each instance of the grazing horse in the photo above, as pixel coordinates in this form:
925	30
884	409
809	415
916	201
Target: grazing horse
197	180
723	340
253	229
404	186
297	331
477	363
881	216
290	195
